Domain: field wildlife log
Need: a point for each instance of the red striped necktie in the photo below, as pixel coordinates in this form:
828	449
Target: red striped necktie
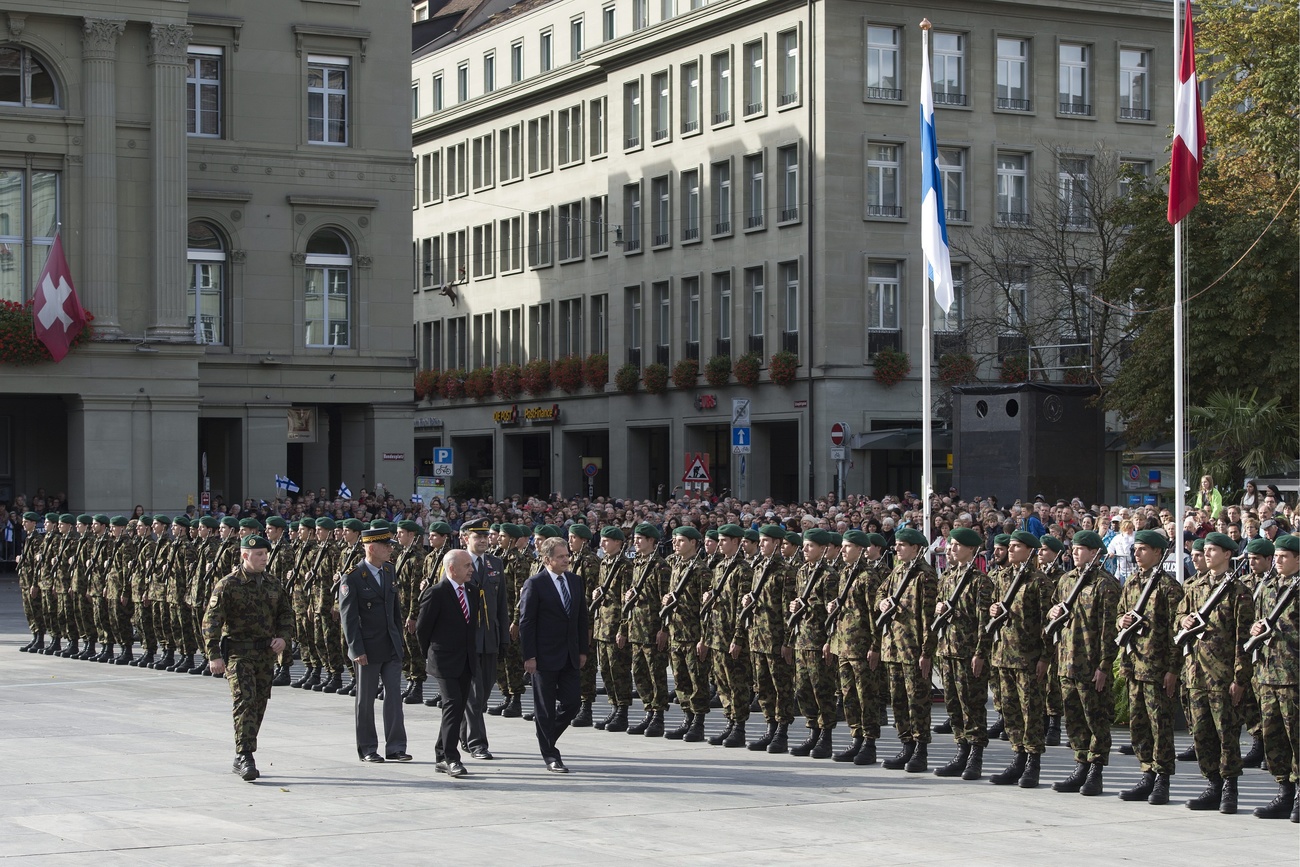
464	603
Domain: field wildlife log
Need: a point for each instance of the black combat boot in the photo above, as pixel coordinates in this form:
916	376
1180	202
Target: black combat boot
89	651
1013	772
866	755
317	675
736	739
640	727
1255	757
1142	790
201	665
998	729
145	661
1187	755
975	764
125	657
1228	797
613	712
1033	767
958	763
919	763
1160	792
825	747
1093	785
71	650
680	732
944	728
433	701
695	734
901	758
38	643
184	664
350	689
26	648
245	768
1279	807
1208	799
1053	736
716	740
56	646
765	739
1295	809
583	719
850	752
416	695
166	662
619	723
302	678
105	652
281	677
495	710
806	748
780	741
513	708
332	685
656	727
1074	782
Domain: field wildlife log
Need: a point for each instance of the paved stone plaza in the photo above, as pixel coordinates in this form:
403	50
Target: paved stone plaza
110	765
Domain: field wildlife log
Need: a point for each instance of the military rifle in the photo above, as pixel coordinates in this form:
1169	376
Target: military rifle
1265	638
940	624
630	604
716	589
676	593
1057	624
1018	580
1126	636
604	588
833	619
1188	637
886	617
814	580
747	611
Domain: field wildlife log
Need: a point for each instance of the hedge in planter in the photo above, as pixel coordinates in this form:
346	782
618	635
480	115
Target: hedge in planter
686	373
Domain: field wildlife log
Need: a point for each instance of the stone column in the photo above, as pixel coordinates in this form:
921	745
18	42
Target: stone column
99	277
167	48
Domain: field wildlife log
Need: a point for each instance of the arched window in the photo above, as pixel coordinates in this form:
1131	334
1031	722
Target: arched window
329	290
25	79
29	217
206	254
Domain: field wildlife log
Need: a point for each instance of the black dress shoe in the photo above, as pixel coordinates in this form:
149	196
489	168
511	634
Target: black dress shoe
440	767
436	701
456	769
530	716
556	766
372	757
480	753
398	757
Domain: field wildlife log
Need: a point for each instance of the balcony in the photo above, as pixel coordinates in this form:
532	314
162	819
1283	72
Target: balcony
756	343
693	349
1076	221
942	98
690	126
879	339
690	234
722	346
1013	218
789	214
787	99
753	107
790	341
957	215
721	117
632	245
661	354
1135	113
754	221
949	342
1011	344
661	240
1079	108
885	93
631	141
884	210
1008	104
723	228
634	355
658	135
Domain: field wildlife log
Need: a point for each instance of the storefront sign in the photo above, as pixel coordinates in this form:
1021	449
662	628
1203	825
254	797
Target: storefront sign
706	401
394	456
533	414
428	421
301	424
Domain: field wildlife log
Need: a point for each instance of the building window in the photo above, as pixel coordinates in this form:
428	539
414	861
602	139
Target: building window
955	319
511	345
483	259
539	238
789	277
721	188
690	97
570	134
511	153
1013	75
632	114
882	306
721	87
431	262
462	83
415	100
788	161
1013	189
632	218
787	73
607	18
753	78
663	322
457	170
666	9
489	73
437	92
327	100
640	14
691	292
544	51
1131	171
661	203
599	224
539	331
203	90
600	323
949	69
575	38
598	125
754	199
484	162
539	145
516	62
1134	66
952	167
571	231
722	312
484	350
1072	184
1074	90
26	80
633	328
206	255
754	295
883	180
882	64
328	313
457	269
511	244
29	218
457	343
691	205
660	111
571	327
1015	283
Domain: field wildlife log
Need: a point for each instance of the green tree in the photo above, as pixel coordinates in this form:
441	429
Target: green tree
1238	436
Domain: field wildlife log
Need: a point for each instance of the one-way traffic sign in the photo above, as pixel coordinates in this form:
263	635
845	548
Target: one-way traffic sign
740	440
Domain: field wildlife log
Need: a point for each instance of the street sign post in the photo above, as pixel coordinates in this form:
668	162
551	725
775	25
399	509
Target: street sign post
442	461
740	444
839	433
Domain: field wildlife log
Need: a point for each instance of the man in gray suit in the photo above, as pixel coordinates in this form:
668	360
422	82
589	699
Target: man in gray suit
372	629
488	586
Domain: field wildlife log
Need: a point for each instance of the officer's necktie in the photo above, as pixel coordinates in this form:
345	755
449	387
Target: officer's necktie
464	603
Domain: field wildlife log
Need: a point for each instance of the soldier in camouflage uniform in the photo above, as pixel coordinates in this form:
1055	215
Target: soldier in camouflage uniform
1086	652
609	631
281	561
725	641
177	590
586	565
100	562
117	586
28	583
688	582
325	629
749	545
792	550
351	553
764	608
246	626
519	567
712	557
816	679
1020	659
300	594
146	553
83	608
1259	573
645	631
907	648
408	568
1051	565
156	581
206	544
965	651
1000	543
1149	662
855	644
1220	671
60	546
1276	680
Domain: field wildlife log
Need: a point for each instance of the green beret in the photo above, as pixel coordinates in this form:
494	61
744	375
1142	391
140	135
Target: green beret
1052	543
856	537
817	536
377	534
1288	542
965	536
53	517
612	532
793	538
772	531
254	542
325	523
751	535
514	531
547	531
731	531
101	519
349	524
83	519
477	526
1151	538
711	534
1024	537
31	516
228	521
1088	539
1260	546
1221	540
181	521
1001	539
250	524
442	528
911	537
118	521
210	522
309	523
650	531
157	519
1197	545
878	540
410	527
582	531
689	532
294	525
277	521
381	524
496	528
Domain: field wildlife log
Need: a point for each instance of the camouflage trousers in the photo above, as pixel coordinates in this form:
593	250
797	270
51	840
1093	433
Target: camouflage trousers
774	684
1088	716
50	611
105	622
162	626
587	680
144	624
1280	710
510	671
909	695
183	628
966	697
616	672
690	677
33	610
995	684
1216	731
329	637
249	676
859	686
735	680
415	666
1023	709
817	687
302	627
1251	716
650	673
85	613
1055	686
1151	726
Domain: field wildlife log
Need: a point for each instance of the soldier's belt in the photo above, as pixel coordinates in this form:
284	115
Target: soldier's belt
242	647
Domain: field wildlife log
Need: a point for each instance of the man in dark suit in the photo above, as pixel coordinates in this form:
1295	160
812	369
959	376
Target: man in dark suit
372	630
554	637
491	640
445	627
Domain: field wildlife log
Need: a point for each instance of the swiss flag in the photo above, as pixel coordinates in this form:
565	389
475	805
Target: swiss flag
56	311
1189	131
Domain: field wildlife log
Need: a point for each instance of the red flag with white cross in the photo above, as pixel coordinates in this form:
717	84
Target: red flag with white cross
56	310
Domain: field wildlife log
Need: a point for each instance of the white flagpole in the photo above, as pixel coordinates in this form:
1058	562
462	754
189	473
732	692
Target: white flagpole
927	349
1180	469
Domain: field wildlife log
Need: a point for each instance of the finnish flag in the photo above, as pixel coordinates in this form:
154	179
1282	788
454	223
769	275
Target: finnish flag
934	225
416	500
345	492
